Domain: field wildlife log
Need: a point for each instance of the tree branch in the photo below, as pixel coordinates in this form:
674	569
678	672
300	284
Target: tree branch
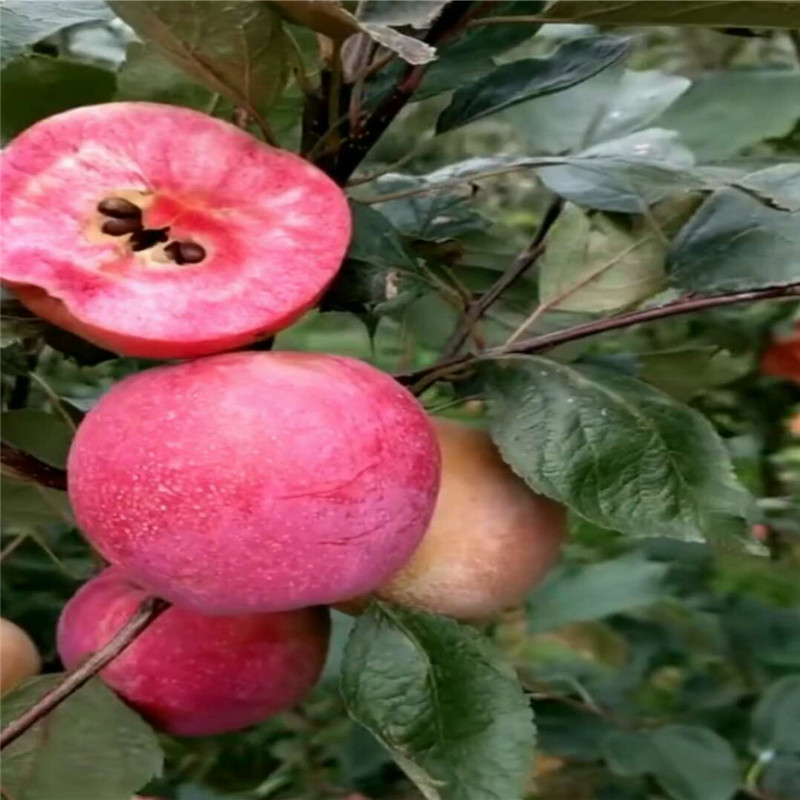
422	378
27	467
147	613
521	264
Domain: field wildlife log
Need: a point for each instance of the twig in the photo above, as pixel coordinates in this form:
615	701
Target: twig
27	467
422	378
521	264
794	38
147	613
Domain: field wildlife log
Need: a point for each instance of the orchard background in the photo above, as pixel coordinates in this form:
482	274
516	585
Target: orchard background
570	219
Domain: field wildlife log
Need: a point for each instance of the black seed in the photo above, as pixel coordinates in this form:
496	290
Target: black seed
173	250
147	238
121	227
191	252
119	208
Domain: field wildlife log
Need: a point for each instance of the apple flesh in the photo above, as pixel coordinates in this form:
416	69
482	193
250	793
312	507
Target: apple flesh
256	481
192	675
161	232
19	658
491	538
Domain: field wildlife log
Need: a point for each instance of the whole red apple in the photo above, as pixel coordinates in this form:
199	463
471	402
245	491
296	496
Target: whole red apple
192	675
258	481
159	231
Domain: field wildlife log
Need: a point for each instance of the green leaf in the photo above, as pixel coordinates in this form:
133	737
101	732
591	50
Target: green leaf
624	175
23	23
725	112
614	103
735	242
417	13
91	747
37	432
688	761
597	262
577	593
27	505
36	87
429	216
775	724
617	451
710	13
442	701
237	49
523	80
376	241
17	323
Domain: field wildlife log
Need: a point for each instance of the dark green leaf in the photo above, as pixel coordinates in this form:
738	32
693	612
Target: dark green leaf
574	593
724	112
569	732
24	23
776	718
27	505
523	80
417	13
17	323
617	451
735	242
36	87
761	634
710	13
235	48
442	701
688	761
91	747
43	435
781	777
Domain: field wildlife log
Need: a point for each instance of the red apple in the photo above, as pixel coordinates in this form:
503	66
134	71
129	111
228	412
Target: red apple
256	481
19	658
491	538
158	231
782	357
192	675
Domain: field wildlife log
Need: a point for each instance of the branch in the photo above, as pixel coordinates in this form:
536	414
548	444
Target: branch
521	264
147	613
27	467
422	378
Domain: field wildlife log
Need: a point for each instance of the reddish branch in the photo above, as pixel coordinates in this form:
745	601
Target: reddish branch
27	467
147	613
422	378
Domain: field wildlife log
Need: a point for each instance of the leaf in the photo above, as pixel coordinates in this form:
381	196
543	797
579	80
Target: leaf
625	175
577	593
43	435
428	216
569	732
442	701
761	634
91	747
24	23
688	761
27	505
17	323
725	112
597	262
618	452
417	13
775	724
235	48
322	16
613	103
38	86
710	13
411	50
735	242
518	81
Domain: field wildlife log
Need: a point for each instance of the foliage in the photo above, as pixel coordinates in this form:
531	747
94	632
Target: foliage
654	166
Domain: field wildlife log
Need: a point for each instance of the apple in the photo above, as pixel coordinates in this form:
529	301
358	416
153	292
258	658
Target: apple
491	538
161	232
256	481
782	357
193	675
19	658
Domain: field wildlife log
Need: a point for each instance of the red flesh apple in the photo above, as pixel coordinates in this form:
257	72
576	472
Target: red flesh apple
259	232
256	481
193	675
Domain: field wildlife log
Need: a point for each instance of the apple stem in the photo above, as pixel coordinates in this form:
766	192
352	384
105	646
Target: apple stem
147	613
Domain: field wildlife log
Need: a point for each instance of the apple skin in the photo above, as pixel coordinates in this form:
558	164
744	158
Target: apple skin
256	481
273	229
491	538
193	675
782	357
19	658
